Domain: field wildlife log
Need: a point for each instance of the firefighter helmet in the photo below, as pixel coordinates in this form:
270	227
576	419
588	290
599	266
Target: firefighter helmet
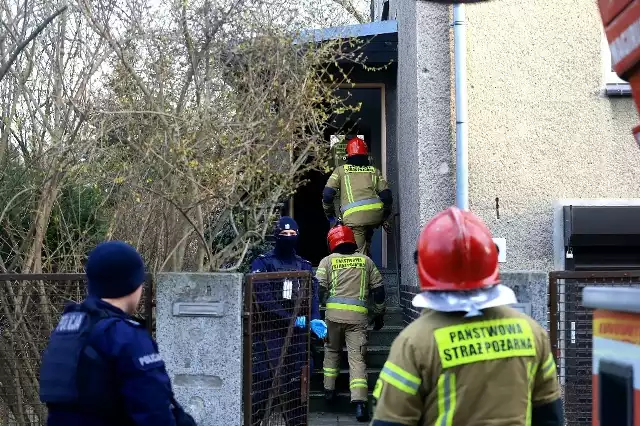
356	146
456	252
340	234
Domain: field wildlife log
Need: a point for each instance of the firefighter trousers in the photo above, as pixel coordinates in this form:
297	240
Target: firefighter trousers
355	336
363	236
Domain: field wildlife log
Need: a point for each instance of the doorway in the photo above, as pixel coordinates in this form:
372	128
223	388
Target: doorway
306	205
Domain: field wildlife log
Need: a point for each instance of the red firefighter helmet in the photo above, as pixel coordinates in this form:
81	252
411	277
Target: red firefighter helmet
356	146
339	235
456	252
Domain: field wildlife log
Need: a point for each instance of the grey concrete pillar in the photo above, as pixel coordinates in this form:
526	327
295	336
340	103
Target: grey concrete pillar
199	331
425	144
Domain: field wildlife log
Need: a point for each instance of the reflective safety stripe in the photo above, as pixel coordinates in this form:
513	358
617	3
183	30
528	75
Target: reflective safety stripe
549	367
334	282
347	301
531	378
358	383
347	304
347	186
368	207
360	203
363	283
321	271
377	391
485	341
399	378
446	399
331	372
342	307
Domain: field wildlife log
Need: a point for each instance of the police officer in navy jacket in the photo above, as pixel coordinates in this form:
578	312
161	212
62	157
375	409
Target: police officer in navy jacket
275	301
101	367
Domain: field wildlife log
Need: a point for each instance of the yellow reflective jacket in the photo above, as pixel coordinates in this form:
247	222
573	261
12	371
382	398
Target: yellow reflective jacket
358	187
446	370
348	279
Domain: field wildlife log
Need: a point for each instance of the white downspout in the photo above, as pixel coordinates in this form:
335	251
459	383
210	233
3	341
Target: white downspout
462	130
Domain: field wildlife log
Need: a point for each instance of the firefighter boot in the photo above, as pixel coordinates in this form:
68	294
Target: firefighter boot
362	412
329	395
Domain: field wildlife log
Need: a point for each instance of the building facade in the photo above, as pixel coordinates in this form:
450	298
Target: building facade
549	126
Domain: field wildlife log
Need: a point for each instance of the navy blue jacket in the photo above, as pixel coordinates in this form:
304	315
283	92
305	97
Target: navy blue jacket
134	379
265	290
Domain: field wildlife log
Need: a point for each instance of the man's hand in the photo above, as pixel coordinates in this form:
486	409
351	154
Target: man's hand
386	226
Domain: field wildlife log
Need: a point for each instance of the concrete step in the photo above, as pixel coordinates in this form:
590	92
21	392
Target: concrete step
341	405
375	358
384	336
342	381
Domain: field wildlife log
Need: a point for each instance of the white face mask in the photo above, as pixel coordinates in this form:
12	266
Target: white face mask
470	301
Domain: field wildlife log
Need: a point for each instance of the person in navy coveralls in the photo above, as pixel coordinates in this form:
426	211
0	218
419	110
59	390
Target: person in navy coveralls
275	301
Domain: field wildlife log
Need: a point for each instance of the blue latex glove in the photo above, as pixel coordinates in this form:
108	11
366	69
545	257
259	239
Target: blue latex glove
301	322
319	327
332	221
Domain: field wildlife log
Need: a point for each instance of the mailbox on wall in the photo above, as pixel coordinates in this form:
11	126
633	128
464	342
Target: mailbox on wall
525	308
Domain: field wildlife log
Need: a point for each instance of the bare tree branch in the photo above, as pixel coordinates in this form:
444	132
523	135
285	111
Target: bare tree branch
16	52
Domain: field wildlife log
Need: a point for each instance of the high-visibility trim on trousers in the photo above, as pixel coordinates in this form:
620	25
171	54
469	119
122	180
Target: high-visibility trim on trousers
399	378
358	383
347	304
331	372
446	399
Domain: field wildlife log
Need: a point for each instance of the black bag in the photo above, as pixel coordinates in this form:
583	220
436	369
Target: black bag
182	417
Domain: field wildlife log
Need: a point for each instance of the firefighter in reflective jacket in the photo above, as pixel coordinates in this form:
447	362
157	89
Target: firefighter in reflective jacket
346	278
365	199
468	359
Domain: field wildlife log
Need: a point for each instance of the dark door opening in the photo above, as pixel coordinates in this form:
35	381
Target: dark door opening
365	121
312	223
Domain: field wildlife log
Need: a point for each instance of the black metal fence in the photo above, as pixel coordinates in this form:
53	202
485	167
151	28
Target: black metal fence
276	352
570	329
30	307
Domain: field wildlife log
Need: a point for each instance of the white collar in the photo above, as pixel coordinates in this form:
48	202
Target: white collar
470	301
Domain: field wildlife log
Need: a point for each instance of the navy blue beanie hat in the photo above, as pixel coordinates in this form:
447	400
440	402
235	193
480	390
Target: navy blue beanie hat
114	269
285	223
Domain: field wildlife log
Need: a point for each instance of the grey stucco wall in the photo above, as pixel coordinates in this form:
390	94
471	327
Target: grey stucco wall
540	128
424	124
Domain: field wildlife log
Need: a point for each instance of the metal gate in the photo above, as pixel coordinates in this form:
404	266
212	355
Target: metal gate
570	330
30	306
276	352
